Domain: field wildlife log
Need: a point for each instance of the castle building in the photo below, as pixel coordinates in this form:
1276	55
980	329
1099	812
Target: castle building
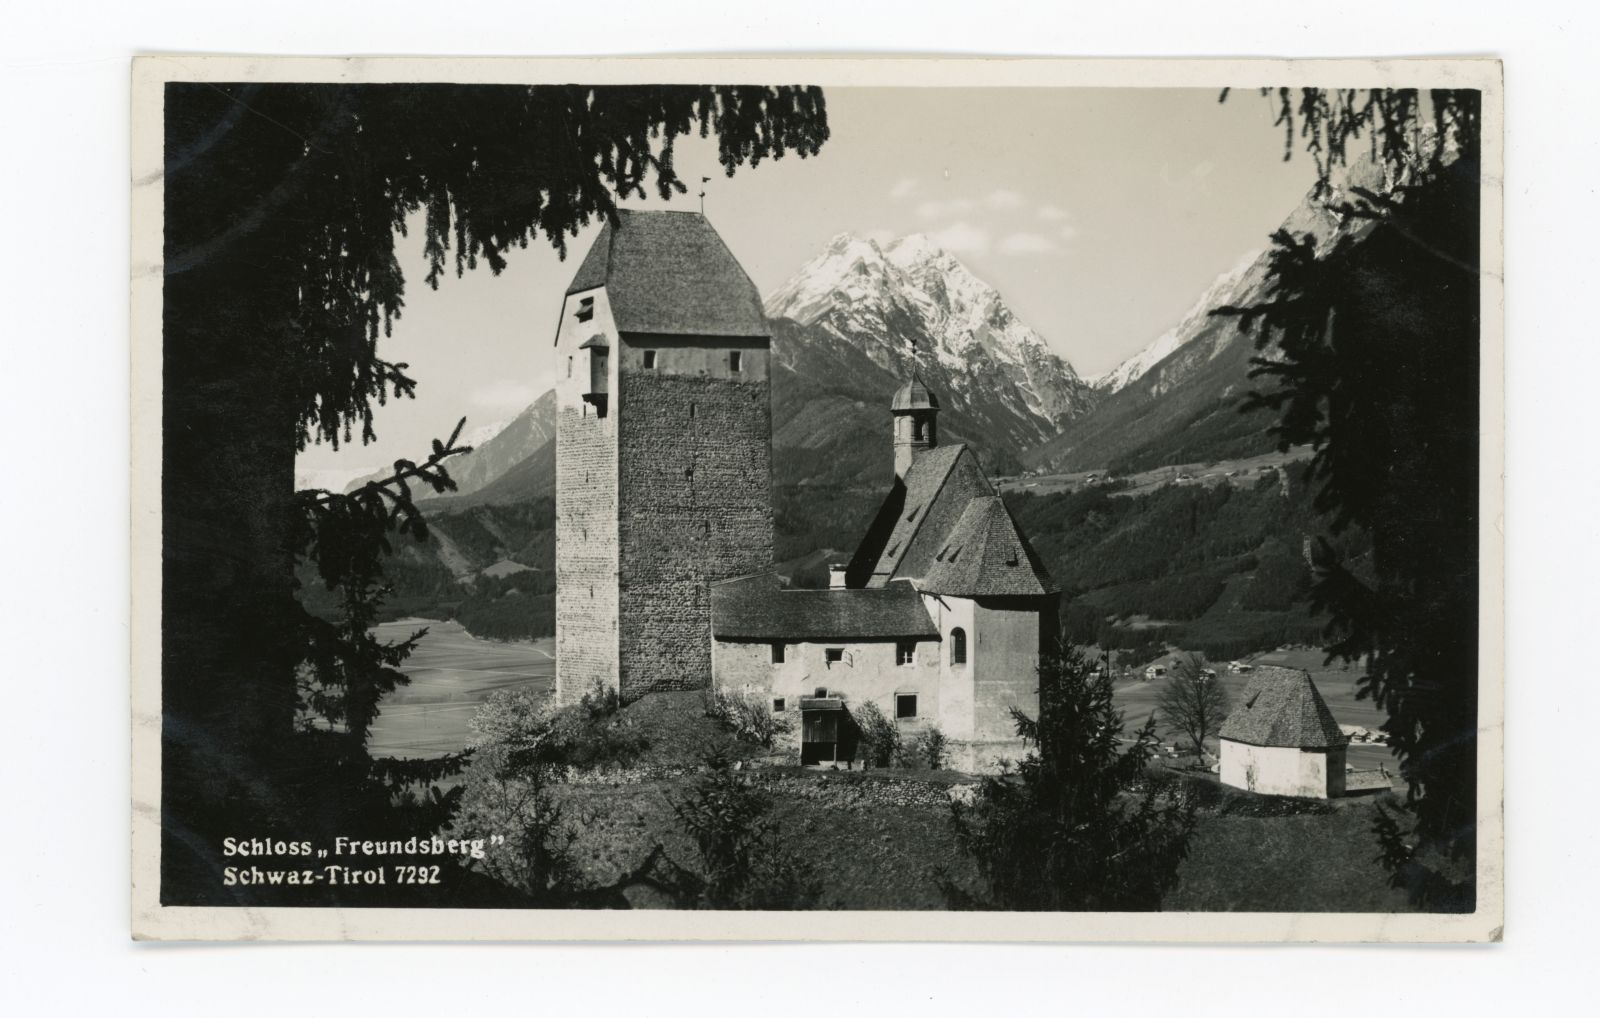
663	452
664	525
940	619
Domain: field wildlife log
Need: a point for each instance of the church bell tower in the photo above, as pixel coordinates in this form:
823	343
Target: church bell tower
916	424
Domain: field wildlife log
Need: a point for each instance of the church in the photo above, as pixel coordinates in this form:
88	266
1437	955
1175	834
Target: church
664	529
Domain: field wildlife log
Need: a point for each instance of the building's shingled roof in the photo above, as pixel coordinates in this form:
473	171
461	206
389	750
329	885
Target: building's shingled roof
1281	707
670	273
914	396
929	493
984	555
756	608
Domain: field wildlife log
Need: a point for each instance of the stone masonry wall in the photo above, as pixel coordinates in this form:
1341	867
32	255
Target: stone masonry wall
586	510
695	506
586	553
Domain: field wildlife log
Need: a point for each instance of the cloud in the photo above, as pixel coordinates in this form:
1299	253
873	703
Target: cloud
1003	199
941	209
1067	231
902	188
1052	213
1027	243
962	238
504	395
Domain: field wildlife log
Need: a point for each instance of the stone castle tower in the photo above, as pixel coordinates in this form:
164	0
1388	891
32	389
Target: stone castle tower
663	452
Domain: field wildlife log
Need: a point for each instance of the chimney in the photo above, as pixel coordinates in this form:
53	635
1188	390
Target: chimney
836	575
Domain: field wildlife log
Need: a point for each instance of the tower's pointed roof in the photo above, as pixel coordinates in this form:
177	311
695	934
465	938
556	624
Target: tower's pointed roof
914	396
1281	707
670	273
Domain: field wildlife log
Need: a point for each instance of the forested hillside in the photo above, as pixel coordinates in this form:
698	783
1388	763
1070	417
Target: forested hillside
1219	569
489	567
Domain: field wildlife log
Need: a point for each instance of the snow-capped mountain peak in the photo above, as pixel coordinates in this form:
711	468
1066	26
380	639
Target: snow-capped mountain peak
910	305
1221	291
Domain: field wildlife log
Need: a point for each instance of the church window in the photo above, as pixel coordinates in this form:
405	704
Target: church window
778	705
569	367
778	653
958	646
585	309
905	652
905	706
833	655
649	360
734	360
821	692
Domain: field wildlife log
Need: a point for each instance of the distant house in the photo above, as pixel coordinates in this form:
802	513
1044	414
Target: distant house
1282	739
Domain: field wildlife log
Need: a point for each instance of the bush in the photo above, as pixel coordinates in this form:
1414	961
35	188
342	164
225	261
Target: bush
505	796
584	736
747	716
931	748
880	737
743	863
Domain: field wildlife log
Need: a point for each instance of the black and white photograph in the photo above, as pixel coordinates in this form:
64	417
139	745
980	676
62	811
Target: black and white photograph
919	499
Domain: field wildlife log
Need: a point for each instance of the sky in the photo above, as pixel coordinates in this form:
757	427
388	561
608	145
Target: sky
1100	215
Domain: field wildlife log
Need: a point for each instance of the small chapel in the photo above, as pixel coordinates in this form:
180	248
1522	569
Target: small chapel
664	526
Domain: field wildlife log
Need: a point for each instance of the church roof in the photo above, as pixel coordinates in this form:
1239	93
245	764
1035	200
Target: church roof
914	396
1281	707
757	608
937	486
670	273
985	555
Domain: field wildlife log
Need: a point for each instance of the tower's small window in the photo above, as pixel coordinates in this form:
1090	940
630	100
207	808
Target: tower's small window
735	360
958	646
691	411
833	655
917	433
777	653
585	309
649	360
777	705
905	652
569	367
905	706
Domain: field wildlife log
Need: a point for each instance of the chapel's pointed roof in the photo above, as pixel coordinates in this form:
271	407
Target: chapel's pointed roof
1282	708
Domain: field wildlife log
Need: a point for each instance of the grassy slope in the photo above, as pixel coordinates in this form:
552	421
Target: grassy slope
1280	864
888	857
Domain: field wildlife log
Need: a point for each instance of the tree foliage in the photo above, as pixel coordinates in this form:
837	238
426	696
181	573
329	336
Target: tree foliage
282	208
1370	353
1065	831
743	862
1192	703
